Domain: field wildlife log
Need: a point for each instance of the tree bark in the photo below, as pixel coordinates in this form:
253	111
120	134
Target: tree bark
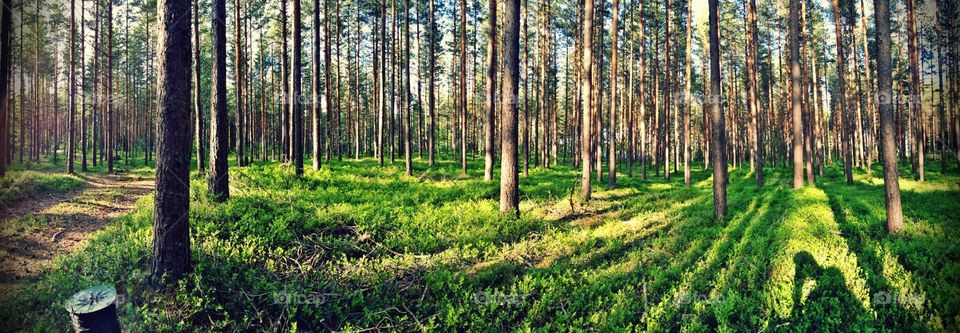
317	128
296	103
431	98
888	146
841	103
490	101
719	154
586	91
171	220
612	123
753	102
197	104
915	87
795	94
509	190
218	184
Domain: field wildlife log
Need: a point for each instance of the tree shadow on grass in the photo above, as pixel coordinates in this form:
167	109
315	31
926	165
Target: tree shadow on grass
822	302
867	235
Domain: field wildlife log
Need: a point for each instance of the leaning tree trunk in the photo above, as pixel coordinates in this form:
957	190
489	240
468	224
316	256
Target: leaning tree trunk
509	192
888	131
171	219
218	184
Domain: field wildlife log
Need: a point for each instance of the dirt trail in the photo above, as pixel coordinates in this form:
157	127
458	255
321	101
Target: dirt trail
37	229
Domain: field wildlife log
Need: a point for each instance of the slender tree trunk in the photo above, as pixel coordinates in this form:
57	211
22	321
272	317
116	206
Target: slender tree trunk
218	180
719	154
72	90
6	25
753	102
238	64
317	128
296	104
686	97
171	223
463	86
431	98
612	123
667	92
285	129
509	190
490	101
586	91
197	104
841	96
888	146
408	157
915	87
109	137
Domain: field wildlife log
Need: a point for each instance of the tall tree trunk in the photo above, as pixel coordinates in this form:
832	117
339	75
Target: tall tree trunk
408	158
719	153
197	104
238	64
612	123
72	91
509	190
315	105
842	95
83	92
888	146
6	25
686	96
171	222
586	91
667	92
753	102
285	129
490	101
218	180
463	86
296	104
431	98
915	87
109	137
795	94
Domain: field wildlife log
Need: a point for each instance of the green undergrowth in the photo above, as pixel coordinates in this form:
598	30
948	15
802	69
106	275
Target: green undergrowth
356	246
16	185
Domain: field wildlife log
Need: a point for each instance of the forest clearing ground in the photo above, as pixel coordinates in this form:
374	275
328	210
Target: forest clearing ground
38	228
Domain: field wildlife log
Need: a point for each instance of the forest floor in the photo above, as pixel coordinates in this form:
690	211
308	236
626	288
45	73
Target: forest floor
359	247
46	223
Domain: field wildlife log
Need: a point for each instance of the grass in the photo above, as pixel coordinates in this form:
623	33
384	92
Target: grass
17	185
357	246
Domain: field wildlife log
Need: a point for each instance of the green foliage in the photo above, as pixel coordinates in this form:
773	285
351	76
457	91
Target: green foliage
357	246
19	184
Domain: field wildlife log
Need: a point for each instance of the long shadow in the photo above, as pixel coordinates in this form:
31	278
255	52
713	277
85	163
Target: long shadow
891	314
829	306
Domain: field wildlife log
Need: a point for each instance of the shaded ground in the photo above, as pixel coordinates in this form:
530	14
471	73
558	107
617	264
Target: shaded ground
38	228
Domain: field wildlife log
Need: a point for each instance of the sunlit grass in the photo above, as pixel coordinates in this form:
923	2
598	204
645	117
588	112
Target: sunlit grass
432	250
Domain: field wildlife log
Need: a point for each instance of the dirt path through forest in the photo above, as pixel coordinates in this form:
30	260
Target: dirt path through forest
37	229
